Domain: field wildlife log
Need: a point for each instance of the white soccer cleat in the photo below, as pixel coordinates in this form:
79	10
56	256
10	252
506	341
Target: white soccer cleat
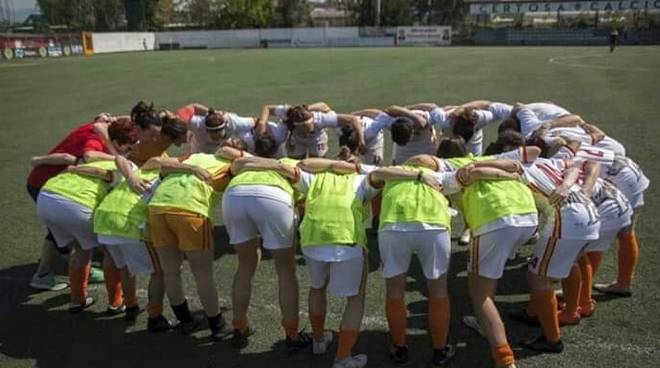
47	282
356	361
321	346
473	323
465	237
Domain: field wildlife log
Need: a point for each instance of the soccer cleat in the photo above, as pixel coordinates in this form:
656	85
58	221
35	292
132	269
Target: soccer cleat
113	311
567	320
473	323
442	356
47	282
75	308
321	346
240	339
465	237
543	345
96	276
588	310
219	328
399	355
521	315
614	289
131	314
188	327
303	342
158	324
356	361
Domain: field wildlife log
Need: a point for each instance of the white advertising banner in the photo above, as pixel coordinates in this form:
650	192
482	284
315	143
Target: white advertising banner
431	35
516	7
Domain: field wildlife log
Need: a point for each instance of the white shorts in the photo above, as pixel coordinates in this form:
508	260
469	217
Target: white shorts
604	242
554	257
248	217
343	277
67	220
314	145
130	253
433	248
632	184
491	250
574	221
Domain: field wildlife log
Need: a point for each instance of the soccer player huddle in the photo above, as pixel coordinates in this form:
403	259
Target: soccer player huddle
550	179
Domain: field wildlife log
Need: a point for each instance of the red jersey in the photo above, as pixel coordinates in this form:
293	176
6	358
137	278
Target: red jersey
80	140
186	113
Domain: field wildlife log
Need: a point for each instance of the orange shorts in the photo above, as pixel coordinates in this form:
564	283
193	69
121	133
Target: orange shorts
186	230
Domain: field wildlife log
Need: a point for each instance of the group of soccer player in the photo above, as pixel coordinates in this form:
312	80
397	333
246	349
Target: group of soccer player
550	179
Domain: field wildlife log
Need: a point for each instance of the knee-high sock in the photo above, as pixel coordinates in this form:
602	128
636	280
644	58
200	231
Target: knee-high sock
503	355
439	317
395	311
573	288
545	304
112	278
79	278
347	339
628	257
318	325
291	329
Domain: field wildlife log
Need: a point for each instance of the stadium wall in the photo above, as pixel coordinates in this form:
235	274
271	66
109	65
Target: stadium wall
561	36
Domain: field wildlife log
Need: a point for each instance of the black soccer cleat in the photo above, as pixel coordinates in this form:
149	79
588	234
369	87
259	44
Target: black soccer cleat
131	314
240	339
521	315
304	342
442	356
158	324
543	345
399	355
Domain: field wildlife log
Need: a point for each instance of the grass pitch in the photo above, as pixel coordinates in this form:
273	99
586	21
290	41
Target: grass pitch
41	100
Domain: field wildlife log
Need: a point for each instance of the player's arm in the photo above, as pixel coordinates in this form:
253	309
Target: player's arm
476	104
54	159
353	122
262	164
95	172
101	130
595	132
172	167
261	123
399	111
424	106
571	175
591	173
469	174
199	109
316	165
511	166
426	161
385	174
91	156
231	153
319	107
371	113
566	121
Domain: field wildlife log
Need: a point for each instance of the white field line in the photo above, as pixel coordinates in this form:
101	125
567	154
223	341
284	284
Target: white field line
559	60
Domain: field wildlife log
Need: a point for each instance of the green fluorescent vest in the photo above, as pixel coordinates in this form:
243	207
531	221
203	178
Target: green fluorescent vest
85	190
123	212
413	201
333	214
186	191
486	201
267	177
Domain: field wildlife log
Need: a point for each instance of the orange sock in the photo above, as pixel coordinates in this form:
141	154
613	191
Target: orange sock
572	290
347	339
503	355
595	258
240	324
439	316
318	325
154	310
545	304
395	311
79	278
628	257
587	271
291	329
112	277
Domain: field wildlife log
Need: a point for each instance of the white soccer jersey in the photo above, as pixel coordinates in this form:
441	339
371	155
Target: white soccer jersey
279	132
440	118
201	142
614	209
